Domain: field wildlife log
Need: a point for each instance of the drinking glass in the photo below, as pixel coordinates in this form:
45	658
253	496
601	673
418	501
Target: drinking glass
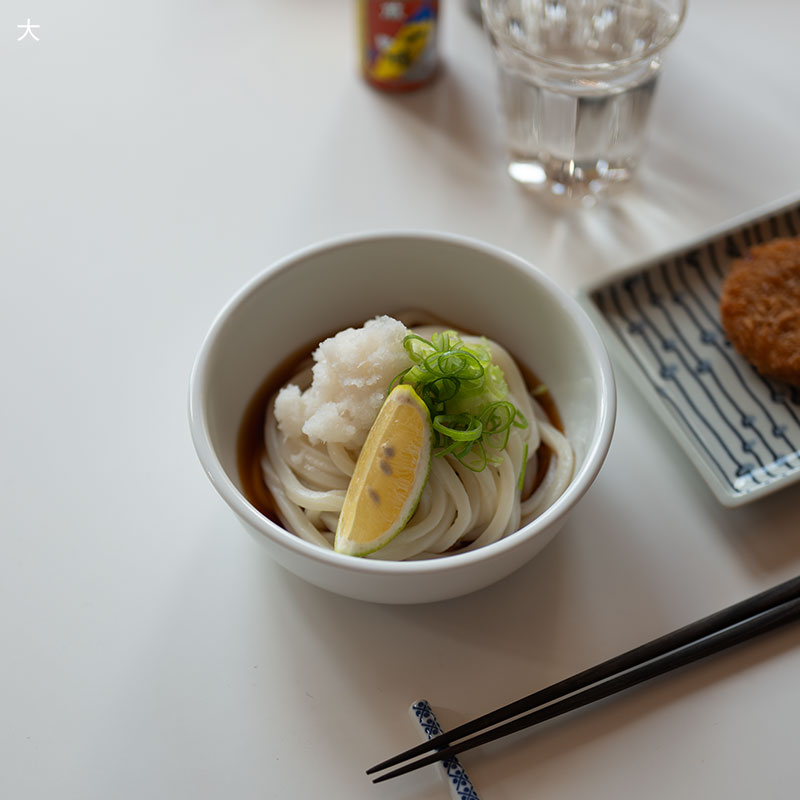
577	80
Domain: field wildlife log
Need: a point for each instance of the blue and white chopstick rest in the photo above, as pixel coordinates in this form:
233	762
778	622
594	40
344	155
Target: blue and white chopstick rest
455	777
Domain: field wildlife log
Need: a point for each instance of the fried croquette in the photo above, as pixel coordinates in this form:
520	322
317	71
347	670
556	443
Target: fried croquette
760	308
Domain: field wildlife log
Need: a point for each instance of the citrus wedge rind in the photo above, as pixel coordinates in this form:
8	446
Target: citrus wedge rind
389	477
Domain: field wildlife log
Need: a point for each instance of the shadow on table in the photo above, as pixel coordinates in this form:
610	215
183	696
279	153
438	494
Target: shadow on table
450	108
563	736
764	534
453	641
534	627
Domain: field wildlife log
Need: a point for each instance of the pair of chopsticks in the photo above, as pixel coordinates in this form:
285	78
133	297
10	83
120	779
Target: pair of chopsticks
712	634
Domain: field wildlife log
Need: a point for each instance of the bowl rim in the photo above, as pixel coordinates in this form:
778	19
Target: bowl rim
597	447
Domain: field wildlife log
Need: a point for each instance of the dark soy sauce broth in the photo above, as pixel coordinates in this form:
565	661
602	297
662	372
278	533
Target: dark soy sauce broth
250	447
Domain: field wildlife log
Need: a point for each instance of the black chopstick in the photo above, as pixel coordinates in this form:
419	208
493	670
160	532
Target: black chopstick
689	633
697	640
707	646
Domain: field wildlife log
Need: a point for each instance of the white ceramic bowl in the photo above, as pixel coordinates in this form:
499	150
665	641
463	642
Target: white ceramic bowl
318	291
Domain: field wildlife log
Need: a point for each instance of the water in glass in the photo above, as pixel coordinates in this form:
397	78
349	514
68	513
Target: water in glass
577	81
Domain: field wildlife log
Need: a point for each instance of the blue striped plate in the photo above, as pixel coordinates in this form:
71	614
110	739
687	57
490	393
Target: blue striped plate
660	321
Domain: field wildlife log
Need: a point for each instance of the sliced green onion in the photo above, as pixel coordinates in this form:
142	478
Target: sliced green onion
498	416
523	467
398	379
476	460
459	427
454	363
436	394
465	394
414	345
497	420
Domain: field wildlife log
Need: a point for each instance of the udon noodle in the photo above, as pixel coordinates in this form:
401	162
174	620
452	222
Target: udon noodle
460	509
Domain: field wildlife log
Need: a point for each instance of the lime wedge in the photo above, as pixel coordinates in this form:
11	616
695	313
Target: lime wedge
390	474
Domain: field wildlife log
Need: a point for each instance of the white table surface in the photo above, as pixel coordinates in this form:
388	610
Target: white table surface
159	153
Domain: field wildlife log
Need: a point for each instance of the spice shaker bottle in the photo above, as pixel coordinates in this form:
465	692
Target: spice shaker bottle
398	42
